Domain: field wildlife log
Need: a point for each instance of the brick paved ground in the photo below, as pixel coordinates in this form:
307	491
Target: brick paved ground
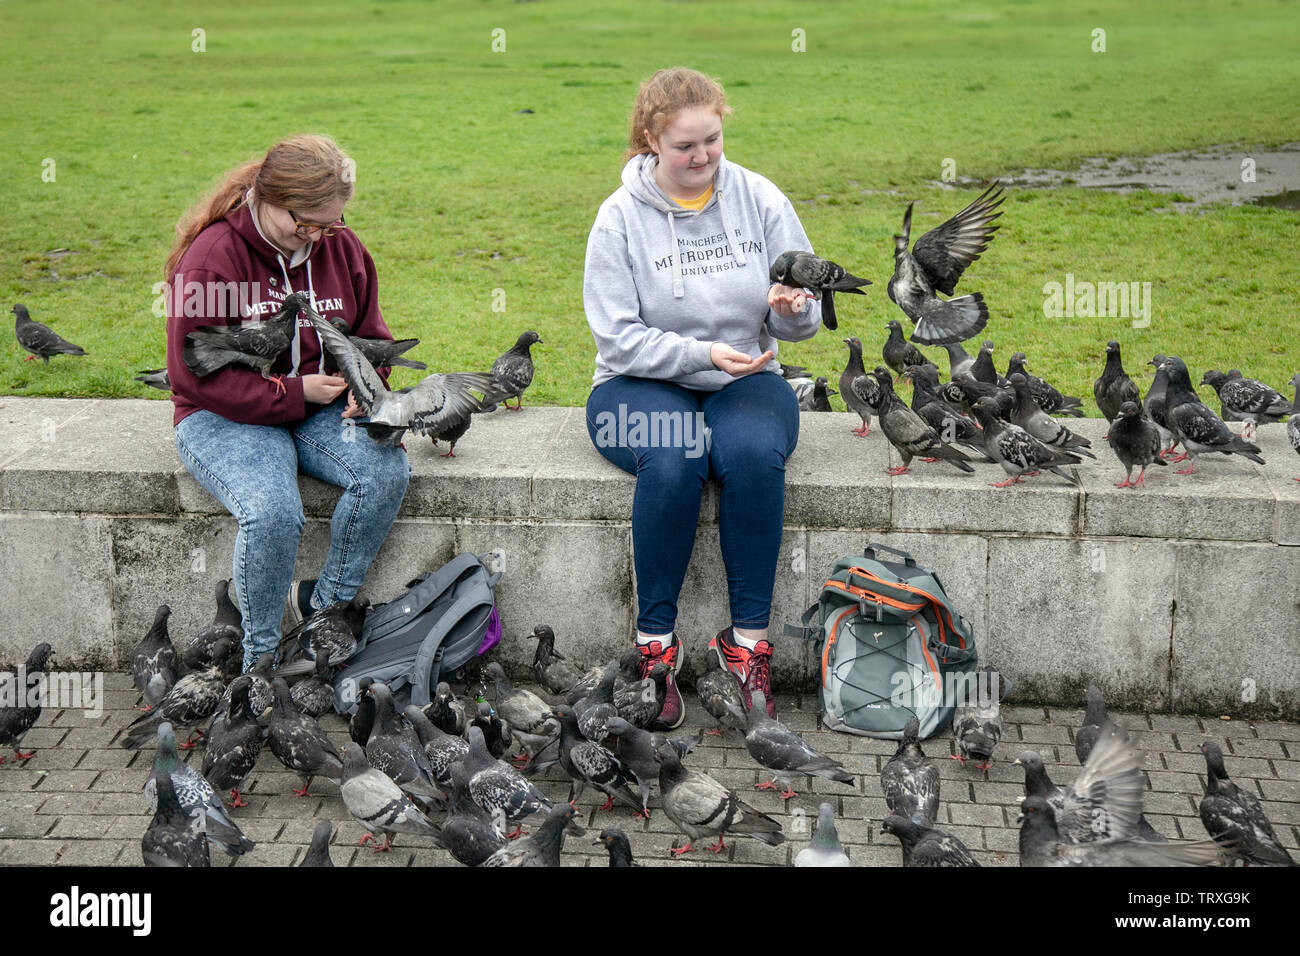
78	801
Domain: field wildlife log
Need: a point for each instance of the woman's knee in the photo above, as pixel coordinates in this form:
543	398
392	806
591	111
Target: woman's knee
274	514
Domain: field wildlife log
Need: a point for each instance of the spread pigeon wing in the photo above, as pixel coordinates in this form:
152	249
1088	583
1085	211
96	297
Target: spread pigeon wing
945	251
362	379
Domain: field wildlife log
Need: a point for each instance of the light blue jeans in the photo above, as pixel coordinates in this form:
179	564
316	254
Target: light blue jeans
253	471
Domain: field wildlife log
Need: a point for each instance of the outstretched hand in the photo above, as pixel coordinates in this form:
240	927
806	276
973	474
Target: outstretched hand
737	363
787	301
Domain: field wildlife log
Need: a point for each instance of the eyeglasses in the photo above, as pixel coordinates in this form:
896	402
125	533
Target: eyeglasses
327	229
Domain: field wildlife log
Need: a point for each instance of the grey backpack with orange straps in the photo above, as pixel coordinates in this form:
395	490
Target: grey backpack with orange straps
891	647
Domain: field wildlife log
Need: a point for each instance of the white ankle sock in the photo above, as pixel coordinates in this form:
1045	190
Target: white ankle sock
644	639
747	638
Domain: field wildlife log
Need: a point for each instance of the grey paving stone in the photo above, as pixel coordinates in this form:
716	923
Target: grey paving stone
268	854
1044	734
969	814
1281	813
30	852
1255	748
91	852
1174	782
1172	724
1277	731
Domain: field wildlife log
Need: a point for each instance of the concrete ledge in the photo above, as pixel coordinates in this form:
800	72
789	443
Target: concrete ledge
1175	598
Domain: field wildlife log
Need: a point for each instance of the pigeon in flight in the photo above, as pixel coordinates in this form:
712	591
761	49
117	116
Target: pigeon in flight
40	340
821	277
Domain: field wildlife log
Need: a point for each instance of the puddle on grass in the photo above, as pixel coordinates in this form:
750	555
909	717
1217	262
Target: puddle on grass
1196	178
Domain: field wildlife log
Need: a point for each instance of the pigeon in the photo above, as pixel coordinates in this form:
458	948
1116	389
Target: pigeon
154	664
824	848
234	743
908	432
925	846
226	622
529	717
700	807
959	363
775	746
551	668
977	722
377	803
453	431
496	732
258	345
1156	408
543	847
615	841
1081	814
512	373
817	398
862	405
396	750
1293	432
1135	441
193	699
1018	452
821	277
16	720
261	696
935	264
174	837
789	372
441	749
638	749
1037	782
1195	425
1094	715
298	742
1246	400
495	785
469	833
331	632
447	713
380	352
910	780
1232	813
318	854
1042	426
641	701
897	352
963	392
982	369
1045	396
594	710
719	693
362	720
1041	845
589	763
424	408
315	695
154	378
952	426
1114	388
195	794
40	340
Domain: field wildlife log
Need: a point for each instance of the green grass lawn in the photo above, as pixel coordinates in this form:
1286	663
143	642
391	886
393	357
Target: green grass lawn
459	194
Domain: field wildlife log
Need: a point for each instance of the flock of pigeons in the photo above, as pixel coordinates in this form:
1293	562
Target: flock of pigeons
404	765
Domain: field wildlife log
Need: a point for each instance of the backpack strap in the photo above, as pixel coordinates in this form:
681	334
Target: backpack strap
429	658
870	550
420	594
807	632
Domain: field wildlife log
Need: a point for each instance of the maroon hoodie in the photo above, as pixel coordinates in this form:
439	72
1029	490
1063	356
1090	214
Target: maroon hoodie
231	274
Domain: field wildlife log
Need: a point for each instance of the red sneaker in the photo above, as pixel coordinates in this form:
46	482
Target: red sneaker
674	711
751	668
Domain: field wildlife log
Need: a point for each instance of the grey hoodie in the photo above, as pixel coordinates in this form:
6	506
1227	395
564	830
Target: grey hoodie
654	314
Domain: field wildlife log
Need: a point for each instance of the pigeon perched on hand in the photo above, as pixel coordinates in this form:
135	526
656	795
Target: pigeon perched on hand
1197	427
909	433
1135	440
910	780
899	353
1114	387
40	340
512	373
824	848
1045	396
821	277
195	794
924	846
776	747
424	408
935	264
700	807
377	803
862	404
174	837
1246	400
1233	814
154	664
255	344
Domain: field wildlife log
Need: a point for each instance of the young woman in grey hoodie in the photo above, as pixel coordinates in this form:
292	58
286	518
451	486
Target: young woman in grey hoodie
685	319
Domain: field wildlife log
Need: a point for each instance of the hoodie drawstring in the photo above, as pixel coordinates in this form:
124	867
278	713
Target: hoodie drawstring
679	284
296	348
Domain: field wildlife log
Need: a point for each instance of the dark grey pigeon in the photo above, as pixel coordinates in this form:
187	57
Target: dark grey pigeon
824	848
615	841
775	746
234	742
589	763
1018	452
441	749
789	372
529	717
952	425
908	432
899	353
982	369
1089	821
963	392
315	695
543	847
423	408
1045	395
818	397
1199	429
447	713
1156	407
935	264
1041	845
1135	440
496	732
1094	715
154	664
391	751
1293	432
719	693
377	803
495	785
453	431
298	742
977	721
192	700
638	749
910	780
512	373
16	721
594	710
195	795
331	632
40	340
261	696
700	807
821	277
257	345
362	720
924	846
1042	426
551	668
318	854
469	833
1233	815
226	622
379	352
174	837
1249	401
154	378
1114	387
641	701
862	404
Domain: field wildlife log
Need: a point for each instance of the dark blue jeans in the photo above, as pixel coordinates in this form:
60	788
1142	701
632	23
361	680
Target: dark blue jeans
674	439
